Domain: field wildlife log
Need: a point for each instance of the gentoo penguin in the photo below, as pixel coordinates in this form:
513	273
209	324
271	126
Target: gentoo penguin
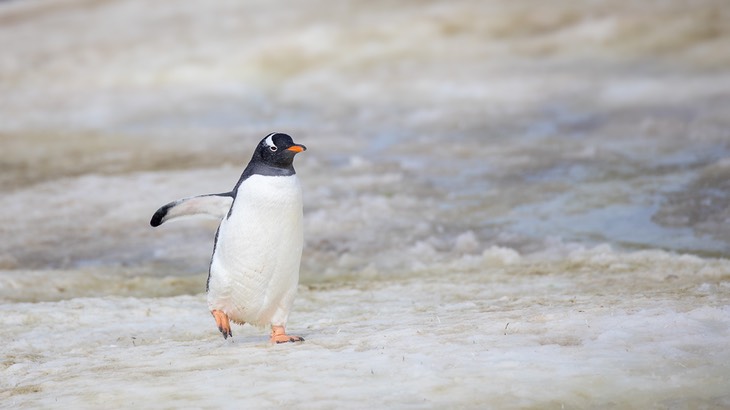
254	270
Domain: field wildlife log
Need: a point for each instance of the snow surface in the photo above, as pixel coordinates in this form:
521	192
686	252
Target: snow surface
596	329
507	204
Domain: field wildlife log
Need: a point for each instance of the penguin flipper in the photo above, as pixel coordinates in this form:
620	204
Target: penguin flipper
215	205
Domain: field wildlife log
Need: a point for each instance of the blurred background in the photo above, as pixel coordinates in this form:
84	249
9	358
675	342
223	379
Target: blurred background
439	133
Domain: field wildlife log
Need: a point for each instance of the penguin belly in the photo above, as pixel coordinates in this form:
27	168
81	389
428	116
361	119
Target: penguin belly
254	271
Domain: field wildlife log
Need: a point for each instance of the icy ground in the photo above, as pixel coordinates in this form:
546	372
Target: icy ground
508	205
597	329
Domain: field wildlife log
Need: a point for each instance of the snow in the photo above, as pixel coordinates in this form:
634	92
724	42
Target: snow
534	334
506	205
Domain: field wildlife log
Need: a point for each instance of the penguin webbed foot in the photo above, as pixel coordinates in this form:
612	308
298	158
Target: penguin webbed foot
291	339
221	319
278	335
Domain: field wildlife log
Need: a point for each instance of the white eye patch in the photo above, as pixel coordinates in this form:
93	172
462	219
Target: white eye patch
270	141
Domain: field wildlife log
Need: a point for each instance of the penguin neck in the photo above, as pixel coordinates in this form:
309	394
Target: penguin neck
261	168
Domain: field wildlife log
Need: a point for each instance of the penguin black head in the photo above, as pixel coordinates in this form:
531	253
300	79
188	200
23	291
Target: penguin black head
277	150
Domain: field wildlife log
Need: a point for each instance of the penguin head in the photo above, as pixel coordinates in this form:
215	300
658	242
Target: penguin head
278	150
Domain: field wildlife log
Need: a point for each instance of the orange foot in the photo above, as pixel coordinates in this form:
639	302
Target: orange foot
278	335
221	319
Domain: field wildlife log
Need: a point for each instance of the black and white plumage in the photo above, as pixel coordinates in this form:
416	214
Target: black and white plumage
254	270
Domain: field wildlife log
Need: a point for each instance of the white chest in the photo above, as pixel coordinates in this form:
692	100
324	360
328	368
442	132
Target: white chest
255	266
265	222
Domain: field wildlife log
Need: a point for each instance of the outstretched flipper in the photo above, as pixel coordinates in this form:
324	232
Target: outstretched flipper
215	205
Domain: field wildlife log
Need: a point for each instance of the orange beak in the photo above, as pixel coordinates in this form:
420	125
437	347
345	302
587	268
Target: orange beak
297	148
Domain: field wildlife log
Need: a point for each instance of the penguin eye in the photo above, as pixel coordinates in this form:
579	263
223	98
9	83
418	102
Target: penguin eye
273	148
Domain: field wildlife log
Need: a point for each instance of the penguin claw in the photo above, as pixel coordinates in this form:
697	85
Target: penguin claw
225	334
224	326
292	339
